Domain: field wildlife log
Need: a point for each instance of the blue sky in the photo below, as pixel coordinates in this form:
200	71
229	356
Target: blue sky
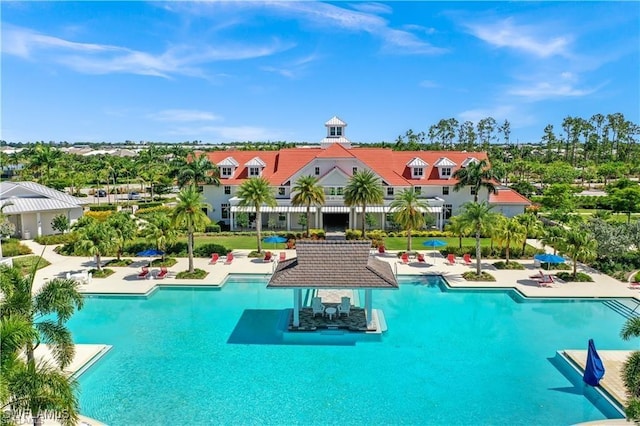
230	71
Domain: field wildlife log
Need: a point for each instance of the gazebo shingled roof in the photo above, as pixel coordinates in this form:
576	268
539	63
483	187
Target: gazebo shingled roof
332	265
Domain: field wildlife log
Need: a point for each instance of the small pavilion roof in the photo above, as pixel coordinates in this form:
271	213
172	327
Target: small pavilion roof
444	162
333	264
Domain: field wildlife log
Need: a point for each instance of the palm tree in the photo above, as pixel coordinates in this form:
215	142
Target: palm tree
198	171
159	230
255	192
475	215
363	188
631	371
95	239
458	228
125	229
532	226
409	212
510	231
28	319
552	236
189	214
43	158
477	175
580	246
307	192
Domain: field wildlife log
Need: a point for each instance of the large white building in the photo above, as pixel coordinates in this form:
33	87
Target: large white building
429	173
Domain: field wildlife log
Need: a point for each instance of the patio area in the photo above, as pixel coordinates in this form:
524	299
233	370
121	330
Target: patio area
355	321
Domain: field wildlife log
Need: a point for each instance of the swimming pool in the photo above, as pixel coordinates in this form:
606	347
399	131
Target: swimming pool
205	356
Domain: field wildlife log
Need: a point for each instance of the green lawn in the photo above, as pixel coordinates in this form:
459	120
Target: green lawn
617	217
26	263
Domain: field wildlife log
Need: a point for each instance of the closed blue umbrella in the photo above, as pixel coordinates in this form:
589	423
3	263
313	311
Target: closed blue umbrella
594	371
549	258
275	239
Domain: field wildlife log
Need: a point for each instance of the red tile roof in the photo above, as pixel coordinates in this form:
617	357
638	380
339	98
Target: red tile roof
508	196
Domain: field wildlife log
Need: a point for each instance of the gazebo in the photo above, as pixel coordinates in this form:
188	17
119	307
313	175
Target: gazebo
333	265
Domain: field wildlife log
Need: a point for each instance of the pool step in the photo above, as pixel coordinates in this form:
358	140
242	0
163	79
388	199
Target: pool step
623	308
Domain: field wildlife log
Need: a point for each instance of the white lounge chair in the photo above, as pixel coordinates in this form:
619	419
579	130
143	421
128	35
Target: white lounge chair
317	306
345	306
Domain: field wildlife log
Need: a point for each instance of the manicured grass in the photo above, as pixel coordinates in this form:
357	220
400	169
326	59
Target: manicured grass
26	263
103	273
616	217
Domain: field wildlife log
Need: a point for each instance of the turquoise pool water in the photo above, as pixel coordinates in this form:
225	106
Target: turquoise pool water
205	356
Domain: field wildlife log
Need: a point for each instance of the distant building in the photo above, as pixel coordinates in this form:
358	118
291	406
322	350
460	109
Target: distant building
428	173
31	207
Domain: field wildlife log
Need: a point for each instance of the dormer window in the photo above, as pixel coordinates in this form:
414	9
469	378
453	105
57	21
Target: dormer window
255	167
446	171
227	167
254	171
226	171
418	172
445	167
417	166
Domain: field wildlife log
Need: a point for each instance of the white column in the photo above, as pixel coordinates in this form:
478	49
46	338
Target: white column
288	221
39	224
382	221
232	223
296	307
317	222
368	306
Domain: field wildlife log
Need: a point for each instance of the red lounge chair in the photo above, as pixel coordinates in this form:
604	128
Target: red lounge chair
451	259
405	258
267	257
229	259
163	273
214	258
283	256
538	276
421	258
467	259
381	250
144	272
634	285
545	281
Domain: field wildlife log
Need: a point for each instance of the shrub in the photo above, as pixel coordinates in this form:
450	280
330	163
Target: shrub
580	277
121	262
317	234
255	253
637	278
150	204
100	216
13	247
205	250
197	274
556	266
212	227
102	207
149	210
472	276
353	234
509	266
168	262
103	273
47	240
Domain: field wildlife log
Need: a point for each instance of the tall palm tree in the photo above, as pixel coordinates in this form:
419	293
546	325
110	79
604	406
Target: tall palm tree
159	230
95	239
43	158
189	214
580	246
631	371
532	226
510	231
307	192
364	188
255	192
458	228
477	175
409	212
125	229
198	171
552	236
475	216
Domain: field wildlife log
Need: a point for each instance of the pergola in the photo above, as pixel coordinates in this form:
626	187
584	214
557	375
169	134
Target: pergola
333	265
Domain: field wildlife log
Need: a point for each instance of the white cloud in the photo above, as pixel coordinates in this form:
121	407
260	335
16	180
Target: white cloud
419	28
428	84
227	133
183	115
527	38
545	90
377	8
294	68
93	58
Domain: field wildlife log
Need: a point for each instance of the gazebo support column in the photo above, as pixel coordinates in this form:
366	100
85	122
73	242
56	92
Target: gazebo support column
297	298
368	306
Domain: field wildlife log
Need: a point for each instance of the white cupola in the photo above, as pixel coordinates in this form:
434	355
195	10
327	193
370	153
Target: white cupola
335	133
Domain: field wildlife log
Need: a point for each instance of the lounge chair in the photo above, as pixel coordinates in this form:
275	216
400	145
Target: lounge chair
229	259
404	258
163	272
317	306
421	258
545	281
538	276
451	259
144	272
466	258
283	256
214	258
634	285
345	306
381	250
268	257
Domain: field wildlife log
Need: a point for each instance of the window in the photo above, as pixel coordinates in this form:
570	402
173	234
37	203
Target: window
338	131
339	190
473	190
281	191
226	171
282	217
317	171
227	190
224	210
445	171
418	172
445	190
330	191
254	171
389	190
417	190
446	211
332	131
355	170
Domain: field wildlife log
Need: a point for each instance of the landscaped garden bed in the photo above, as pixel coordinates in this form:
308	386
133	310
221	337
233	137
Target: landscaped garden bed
197	274
103	273
472	276
580	277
